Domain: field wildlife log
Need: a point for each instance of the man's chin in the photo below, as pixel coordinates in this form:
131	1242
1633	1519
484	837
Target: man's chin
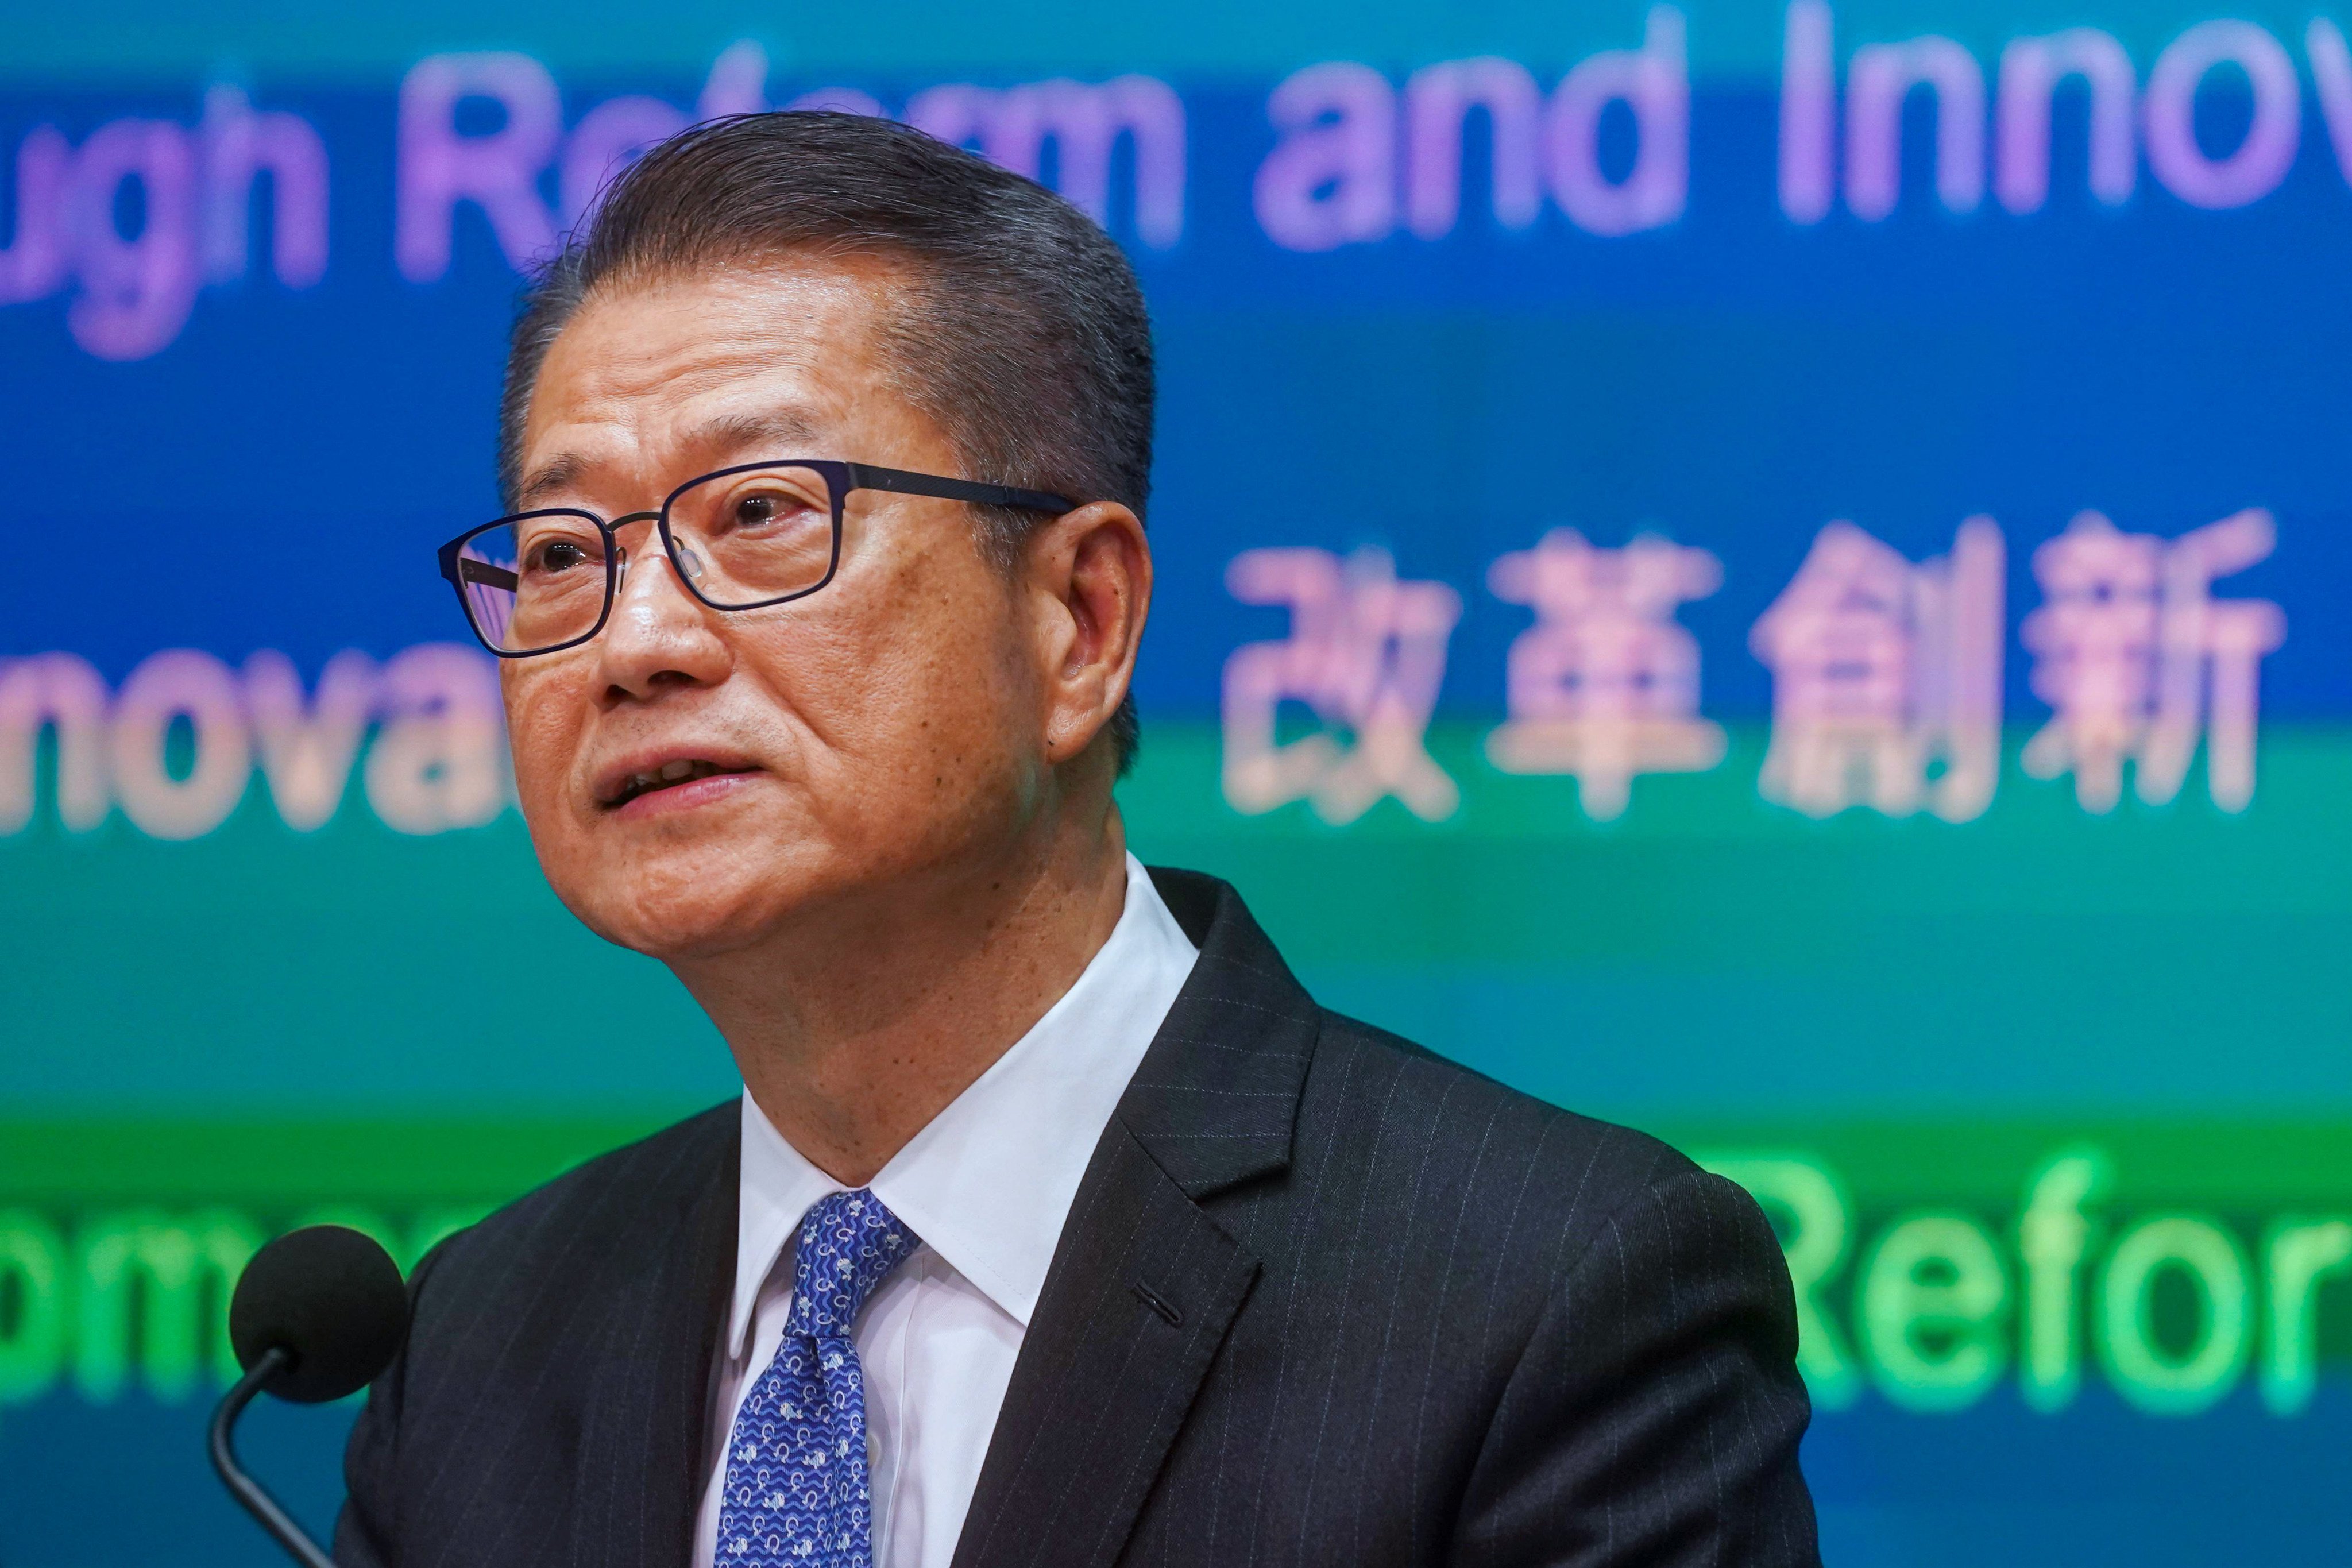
678	932
687	906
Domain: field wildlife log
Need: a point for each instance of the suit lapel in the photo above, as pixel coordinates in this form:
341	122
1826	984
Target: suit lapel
649	1420
1138	1300
1144	1282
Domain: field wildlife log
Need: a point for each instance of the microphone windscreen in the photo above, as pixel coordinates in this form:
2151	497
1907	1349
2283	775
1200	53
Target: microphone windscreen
333	1299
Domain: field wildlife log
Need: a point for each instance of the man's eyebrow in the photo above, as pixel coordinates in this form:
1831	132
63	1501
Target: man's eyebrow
782	433
557	473
779	432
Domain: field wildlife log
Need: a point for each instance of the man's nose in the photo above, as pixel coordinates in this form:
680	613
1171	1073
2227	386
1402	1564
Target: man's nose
659	635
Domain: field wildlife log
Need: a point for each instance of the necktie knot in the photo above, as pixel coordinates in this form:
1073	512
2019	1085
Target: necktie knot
850	1242
797	1491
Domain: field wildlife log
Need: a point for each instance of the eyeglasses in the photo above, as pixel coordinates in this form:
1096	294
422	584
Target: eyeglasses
742	539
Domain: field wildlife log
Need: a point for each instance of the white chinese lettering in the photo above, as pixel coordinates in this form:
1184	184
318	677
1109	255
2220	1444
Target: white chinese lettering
1886	677
2137	659
1367	653
1605	685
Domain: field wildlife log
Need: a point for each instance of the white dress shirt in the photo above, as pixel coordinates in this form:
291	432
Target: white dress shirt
987	1185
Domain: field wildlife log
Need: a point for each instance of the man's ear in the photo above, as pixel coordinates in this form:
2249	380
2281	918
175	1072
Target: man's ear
1088	577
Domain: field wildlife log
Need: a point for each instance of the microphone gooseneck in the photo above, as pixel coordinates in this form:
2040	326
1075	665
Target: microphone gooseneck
247	1491
317	1313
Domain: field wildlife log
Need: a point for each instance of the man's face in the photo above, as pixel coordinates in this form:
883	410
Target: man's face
870	733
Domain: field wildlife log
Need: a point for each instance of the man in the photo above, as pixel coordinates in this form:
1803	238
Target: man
1056	1225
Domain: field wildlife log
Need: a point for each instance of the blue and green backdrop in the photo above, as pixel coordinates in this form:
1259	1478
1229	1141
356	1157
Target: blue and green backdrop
1977	895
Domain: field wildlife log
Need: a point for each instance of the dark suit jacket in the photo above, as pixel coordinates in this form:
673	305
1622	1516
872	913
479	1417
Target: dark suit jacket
1323	1298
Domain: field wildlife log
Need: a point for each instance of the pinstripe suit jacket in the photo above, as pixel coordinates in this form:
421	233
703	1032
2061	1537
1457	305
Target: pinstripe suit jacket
1322	1298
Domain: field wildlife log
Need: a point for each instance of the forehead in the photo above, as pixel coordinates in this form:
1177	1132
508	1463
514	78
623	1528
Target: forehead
649	367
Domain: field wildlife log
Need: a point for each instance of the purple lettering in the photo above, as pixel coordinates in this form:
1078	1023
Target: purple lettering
307	747
136	291
2260	162
240	144
957	113
2331	73
1880	77
1808	113
2030	72
608	139
34	264
1331	180
1654	81
59	691
737	82
498	172
1085	123
1437	99
173	684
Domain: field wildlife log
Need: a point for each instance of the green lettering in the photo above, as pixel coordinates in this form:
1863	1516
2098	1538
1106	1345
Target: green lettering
169	1273
2052	1238
2141	1369
32	1307
2296	1259
1932	1294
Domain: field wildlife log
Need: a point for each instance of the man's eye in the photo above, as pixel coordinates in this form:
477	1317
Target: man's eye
558	555
766	509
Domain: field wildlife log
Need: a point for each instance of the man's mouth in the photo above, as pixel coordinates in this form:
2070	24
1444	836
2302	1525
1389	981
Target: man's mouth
670	775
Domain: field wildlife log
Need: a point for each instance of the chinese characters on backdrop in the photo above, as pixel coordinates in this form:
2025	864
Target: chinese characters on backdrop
1887	673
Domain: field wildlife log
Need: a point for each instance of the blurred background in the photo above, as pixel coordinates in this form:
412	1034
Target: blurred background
1778	573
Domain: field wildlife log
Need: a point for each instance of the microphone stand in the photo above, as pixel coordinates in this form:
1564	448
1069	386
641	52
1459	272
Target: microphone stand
242	1487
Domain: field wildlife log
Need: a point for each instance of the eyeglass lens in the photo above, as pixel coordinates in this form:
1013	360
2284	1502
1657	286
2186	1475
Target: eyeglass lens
534	583
752	537
540	581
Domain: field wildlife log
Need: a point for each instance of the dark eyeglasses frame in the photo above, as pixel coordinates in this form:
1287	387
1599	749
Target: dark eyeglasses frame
840	480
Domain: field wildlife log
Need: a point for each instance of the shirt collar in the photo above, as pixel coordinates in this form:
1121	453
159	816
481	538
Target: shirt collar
989	1182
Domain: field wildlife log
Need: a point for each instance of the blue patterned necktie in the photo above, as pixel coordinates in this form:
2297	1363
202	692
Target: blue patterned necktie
797	1493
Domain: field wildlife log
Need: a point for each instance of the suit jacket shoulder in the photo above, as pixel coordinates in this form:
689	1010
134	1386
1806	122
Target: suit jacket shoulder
1325	1297
621	1190
1526	1180
1616	1323
549	1405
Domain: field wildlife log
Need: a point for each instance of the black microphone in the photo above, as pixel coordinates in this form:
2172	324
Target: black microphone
319	1314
